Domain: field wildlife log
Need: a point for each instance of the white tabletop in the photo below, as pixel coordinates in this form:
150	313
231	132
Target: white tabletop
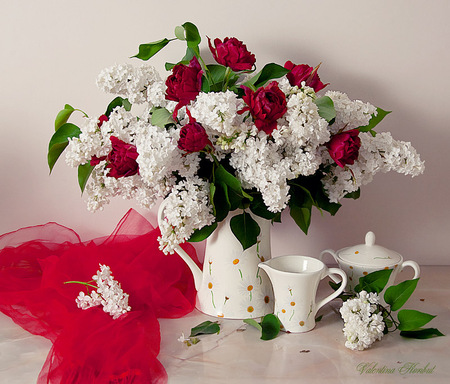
237	355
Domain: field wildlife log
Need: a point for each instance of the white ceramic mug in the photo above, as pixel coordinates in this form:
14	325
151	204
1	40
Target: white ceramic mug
295	280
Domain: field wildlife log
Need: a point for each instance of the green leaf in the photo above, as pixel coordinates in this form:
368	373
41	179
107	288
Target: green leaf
374	121
161	117
221	202
258	207
353	195
397	295
269	72
412	320
146	51
84	172
374	282
202	233
318	318
118	102
270	327
63	116
205	328
59	142
425	333
253	323
193	37
222	175
300	206
179	33
326	108
245	229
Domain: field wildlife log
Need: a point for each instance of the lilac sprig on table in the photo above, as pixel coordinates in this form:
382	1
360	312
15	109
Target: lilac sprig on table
367	318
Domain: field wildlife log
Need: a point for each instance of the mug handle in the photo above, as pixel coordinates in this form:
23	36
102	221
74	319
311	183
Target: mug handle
333	271
332	253
413	265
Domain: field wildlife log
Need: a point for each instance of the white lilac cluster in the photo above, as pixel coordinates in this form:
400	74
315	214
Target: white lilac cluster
362	324
139	85
381	153
109	294
187	208
265	162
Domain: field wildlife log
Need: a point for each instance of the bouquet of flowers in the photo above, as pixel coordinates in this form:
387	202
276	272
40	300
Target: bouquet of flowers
213	138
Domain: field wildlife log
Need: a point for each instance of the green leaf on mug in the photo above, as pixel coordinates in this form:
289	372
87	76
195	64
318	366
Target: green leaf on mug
412	320
374	282
397	295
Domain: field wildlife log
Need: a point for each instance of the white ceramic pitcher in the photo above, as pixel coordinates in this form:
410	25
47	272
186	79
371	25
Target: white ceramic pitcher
295	280
232	285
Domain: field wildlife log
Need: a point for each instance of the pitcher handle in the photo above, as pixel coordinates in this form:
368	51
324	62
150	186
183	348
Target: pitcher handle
333	271
332	253
413	265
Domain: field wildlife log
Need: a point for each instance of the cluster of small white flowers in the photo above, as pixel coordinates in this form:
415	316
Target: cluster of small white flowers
217	112
362	326
350	114
267	163
101	188
109	294
381	153
187	208
138	85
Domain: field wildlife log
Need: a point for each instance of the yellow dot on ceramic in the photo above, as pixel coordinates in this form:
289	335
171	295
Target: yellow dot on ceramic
302	323
267	299
365	273
235	261
292	303
221	315
210	285
351	267
386	267
396	265
262	258
283	311
250	288
250	309
356	252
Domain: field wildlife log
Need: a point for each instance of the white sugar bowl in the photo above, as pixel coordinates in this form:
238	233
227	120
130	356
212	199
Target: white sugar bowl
360	260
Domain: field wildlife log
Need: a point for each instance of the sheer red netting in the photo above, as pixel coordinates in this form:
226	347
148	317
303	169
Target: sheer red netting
88	345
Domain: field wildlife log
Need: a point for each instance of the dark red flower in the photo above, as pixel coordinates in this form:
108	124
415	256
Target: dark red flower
303	72
232	53
266	106
101	120
344	147
121	160
193	138
184	84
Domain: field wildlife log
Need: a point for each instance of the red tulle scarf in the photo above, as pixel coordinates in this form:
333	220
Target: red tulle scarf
88	345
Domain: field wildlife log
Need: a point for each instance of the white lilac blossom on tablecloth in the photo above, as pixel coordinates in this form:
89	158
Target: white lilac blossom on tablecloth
212	138
108	294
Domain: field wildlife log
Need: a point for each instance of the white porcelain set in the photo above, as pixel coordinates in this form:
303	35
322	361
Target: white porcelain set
360	260
233	283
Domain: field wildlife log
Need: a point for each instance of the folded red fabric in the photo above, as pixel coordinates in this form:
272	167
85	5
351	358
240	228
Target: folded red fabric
89	346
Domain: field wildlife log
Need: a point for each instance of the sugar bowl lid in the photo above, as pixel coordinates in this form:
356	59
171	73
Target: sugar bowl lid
369	254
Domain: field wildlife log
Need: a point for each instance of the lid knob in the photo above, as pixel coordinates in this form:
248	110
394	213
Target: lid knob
370	238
